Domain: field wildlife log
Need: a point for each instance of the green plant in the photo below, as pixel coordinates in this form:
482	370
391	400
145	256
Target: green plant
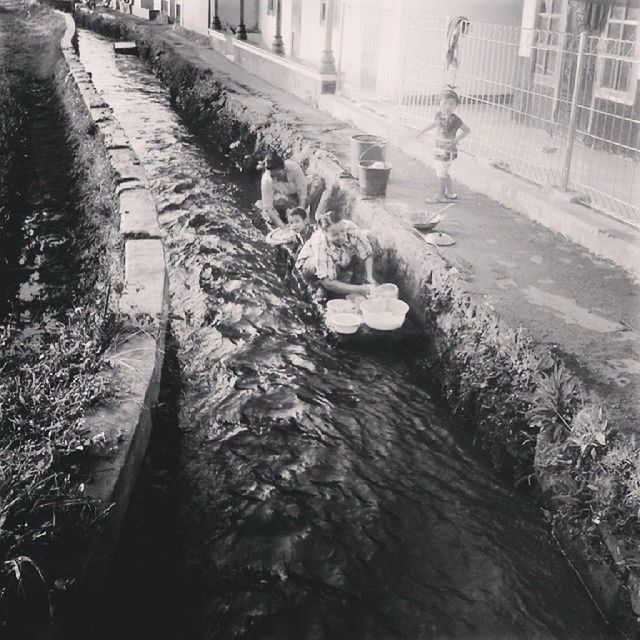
588	433
555	400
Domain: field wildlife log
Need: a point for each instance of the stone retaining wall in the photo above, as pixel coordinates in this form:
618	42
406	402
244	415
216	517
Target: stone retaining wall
137	358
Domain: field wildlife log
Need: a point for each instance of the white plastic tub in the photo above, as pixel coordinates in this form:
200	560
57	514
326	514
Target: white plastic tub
384	314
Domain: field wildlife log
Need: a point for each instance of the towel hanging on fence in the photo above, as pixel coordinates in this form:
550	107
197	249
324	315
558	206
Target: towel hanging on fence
457	27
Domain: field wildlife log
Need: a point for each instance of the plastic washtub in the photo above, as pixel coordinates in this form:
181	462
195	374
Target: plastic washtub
386	290
344	322
384	314
339	305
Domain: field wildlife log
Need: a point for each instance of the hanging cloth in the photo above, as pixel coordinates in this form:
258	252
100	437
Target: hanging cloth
457	27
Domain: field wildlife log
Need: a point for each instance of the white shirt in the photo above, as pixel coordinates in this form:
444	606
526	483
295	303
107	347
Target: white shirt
295	183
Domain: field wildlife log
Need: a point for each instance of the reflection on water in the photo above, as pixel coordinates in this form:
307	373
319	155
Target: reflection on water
323	494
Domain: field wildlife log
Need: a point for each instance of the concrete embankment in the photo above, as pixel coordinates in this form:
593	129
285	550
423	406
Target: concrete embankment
490	373
142	292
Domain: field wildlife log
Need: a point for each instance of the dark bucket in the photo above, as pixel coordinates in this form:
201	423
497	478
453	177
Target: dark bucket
373	181
366	148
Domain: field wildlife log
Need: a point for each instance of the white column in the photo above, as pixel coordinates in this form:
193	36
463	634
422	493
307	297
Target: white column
278	43
327	62
241	32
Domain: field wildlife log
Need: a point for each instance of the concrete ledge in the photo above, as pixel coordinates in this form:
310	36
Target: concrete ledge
137	364
145	279
221	42
136	360
303	82
138	214
125	163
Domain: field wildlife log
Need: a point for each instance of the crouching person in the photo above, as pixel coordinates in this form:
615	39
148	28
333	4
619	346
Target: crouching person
338	257
285	187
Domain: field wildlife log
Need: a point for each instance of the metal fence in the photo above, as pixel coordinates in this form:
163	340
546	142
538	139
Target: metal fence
560	109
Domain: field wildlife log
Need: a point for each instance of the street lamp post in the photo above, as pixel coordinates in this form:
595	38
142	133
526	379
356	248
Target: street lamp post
278	42
241	32
215	21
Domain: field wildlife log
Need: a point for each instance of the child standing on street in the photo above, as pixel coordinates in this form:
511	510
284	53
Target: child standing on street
450	130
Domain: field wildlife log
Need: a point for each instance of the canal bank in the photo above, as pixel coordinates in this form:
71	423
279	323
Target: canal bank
83	318
488	371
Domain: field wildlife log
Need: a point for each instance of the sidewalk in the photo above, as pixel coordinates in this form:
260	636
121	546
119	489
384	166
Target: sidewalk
561	293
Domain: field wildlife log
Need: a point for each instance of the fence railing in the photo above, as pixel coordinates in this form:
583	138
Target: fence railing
560	109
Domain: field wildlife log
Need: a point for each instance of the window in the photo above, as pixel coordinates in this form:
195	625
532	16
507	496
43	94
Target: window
271	8
617	58
550	27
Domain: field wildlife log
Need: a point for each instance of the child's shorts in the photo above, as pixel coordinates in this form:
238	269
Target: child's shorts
444	157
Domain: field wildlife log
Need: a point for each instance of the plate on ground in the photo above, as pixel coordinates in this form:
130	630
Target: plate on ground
439	239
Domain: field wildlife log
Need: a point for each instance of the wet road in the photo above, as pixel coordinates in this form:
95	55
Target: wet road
322	492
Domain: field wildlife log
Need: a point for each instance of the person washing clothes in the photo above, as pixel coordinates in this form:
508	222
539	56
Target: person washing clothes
338	257
450	131
284	187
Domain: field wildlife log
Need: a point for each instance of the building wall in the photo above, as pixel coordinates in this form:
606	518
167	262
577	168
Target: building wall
312	36
195	15
370	37
601	121
266	24
504	12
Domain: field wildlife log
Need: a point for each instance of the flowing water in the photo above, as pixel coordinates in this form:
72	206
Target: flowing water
320	492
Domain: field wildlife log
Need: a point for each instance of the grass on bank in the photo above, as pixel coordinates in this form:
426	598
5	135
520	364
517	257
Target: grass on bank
48	382
53	372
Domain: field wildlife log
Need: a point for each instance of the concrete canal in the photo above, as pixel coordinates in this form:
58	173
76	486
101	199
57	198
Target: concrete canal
297	487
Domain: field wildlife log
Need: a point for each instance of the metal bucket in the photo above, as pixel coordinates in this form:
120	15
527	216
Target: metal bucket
373	180
366	148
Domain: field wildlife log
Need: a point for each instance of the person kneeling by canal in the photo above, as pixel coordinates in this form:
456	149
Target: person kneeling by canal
285	187
338	257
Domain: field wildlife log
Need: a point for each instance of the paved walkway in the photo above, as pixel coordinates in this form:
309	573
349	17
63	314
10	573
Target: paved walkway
557	290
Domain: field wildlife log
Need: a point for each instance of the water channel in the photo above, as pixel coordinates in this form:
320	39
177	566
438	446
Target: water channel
310	490
42	262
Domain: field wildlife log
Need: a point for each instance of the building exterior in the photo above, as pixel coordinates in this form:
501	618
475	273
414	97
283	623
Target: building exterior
549	87
196	15
606	93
